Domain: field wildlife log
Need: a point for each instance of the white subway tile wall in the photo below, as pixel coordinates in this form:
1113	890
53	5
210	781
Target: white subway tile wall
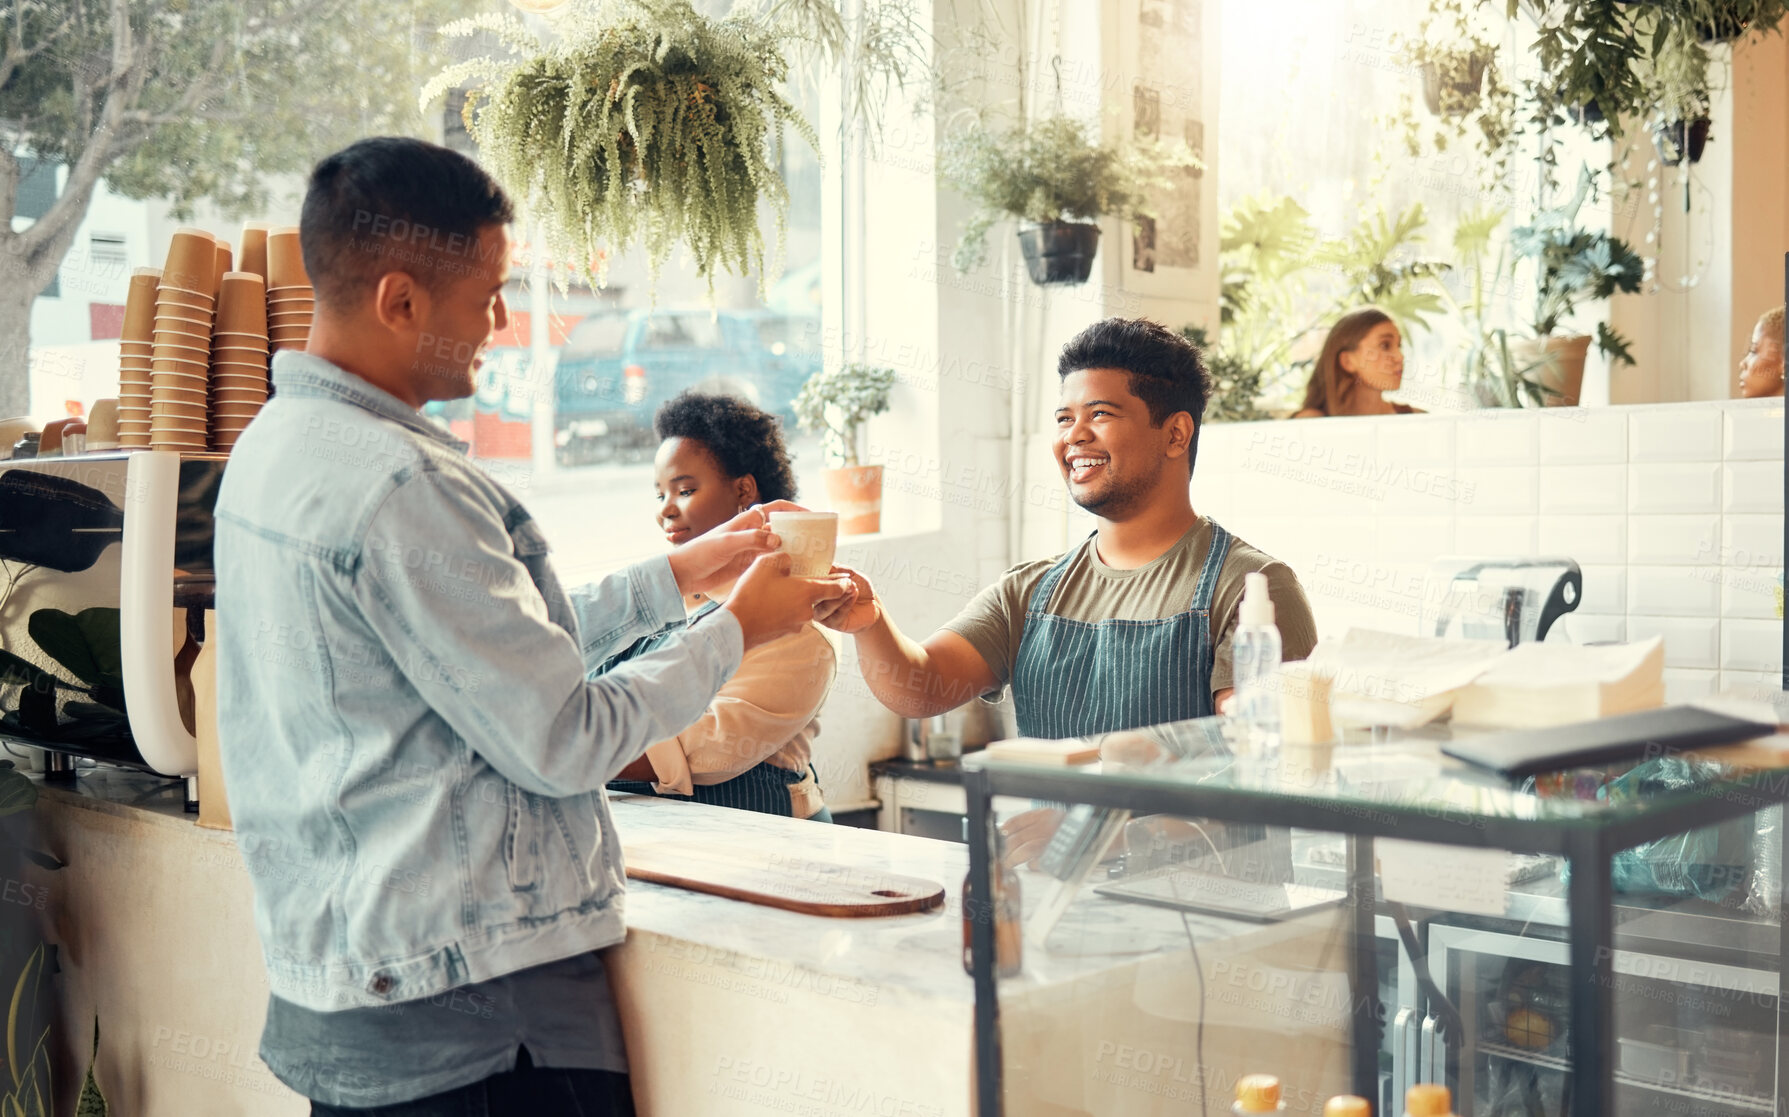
1755	434
1671	435
1685	487
1583	438
1675	513
1683	685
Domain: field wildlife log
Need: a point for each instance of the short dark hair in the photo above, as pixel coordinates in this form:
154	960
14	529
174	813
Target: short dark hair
1166	370
390	203
744	440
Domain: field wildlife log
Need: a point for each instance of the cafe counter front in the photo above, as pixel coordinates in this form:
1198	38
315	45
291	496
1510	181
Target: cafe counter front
729	1007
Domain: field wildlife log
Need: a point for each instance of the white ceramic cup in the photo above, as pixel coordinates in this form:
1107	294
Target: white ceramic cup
809	539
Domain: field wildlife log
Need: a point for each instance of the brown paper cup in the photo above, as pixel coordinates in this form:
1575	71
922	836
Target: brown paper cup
285	260
245	369
169	323
277	318
228	378
242	304
224	261
275	292
192	261
253	257
167	295
230	339
171	331
167	351
139	304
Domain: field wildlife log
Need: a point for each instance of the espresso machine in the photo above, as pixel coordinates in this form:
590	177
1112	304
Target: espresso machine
1516	600
105	572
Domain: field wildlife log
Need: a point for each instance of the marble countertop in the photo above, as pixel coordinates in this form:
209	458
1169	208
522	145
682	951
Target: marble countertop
918	955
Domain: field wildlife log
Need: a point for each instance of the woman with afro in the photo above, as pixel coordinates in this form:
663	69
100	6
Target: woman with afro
752	747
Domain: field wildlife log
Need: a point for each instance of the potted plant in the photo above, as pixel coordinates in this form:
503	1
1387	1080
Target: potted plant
837	402
645	122
1452	78
1235	387
1571	265
1057	182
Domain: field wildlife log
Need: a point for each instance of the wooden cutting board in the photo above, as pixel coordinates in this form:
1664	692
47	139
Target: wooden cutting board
789	881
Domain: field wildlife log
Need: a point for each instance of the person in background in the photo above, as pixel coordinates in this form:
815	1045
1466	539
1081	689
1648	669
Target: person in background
1761	372
751	748
1362	359
415	757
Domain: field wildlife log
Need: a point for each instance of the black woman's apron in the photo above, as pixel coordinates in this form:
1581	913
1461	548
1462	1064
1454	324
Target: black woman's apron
764	787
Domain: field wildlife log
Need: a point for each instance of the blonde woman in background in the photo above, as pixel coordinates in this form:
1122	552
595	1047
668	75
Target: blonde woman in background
1761	372
1362	359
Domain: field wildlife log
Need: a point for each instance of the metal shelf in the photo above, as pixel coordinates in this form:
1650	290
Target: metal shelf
1746	1103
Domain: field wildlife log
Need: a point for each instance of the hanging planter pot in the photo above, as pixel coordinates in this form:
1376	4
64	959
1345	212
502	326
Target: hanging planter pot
1723	27
1587	114
1452	83
1059	252
1676	140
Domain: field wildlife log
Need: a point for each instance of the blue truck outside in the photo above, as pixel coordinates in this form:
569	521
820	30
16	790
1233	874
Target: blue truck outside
618	367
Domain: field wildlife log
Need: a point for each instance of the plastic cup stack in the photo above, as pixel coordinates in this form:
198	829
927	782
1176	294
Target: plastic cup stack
135	351
180	356
238	357
290	299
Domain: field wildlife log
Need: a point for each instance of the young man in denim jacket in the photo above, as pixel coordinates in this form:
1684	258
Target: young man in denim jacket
415	760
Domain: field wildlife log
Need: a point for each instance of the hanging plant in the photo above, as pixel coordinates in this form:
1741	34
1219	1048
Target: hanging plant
1049	173
645	123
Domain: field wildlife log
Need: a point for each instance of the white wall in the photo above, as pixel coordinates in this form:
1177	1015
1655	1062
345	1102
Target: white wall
1674	512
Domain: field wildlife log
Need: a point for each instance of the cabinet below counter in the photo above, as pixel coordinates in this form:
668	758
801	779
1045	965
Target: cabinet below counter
729	1008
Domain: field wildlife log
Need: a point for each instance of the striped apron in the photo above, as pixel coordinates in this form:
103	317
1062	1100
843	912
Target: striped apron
1083	678
764	787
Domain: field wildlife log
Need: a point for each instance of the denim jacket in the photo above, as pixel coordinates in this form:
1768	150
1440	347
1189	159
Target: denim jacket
415	759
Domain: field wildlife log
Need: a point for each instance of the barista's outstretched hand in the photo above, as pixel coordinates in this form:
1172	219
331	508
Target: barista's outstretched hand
769	603
715	558
861	612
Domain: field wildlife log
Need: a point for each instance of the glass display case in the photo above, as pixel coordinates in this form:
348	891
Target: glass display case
1360	918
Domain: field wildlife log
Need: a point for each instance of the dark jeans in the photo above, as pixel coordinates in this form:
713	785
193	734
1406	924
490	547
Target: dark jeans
527	1091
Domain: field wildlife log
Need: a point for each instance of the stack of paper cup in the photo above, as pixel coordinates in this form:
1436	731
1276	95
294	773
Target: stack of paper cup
135	349
238	357
290	299
180	362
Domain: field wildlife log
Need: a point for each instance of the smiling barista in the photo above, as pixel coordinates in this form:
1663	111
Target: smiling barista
1131	627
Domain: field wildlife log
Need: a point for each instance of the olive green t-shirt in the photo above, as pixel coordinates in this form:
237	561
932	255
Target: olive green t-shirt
1089	590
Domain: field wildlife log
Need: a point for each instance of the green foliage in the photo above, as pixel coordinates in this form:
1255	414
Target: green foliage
1235	387
645	123
215	98
1573	265
1052	171
92	1103
1619	55
837	402
1270	255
